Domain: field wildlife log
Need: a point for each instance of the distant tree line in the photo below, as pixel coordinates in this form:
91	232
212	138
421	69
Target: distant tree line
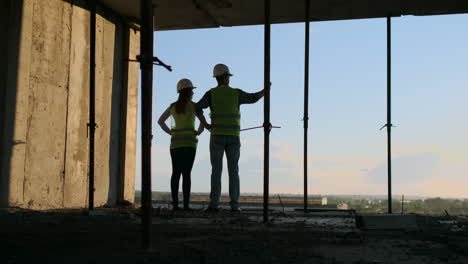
426	206
368	204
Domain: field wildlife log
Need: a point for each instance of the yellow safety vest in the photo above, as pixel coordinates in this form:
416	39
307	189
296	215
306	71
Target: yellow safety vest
183	131
225	114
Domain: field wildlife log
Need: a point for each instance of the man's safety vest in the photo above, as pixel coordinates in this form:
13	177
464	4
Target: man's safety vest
183	131
225	115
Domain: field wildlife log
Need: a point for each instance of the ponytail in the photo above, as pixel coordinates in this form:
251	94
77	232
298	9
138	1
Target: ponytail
184	98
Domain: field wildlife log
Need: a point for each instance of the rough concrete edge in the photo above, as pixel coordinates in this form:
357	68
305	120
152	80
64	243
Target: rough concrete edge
361	222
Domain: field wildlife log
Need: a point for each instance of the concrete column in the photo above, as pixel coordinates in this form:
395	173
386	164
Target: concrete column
130	115
108	87
76	166
47	106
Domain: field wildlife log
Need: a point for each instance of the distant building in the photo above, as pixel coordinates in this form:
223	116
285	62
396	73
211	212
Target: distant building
374	202
317	200
324	201
342	206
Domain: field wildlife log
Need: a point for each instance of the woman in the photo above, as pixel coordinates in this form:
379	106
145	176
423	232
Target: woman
183	139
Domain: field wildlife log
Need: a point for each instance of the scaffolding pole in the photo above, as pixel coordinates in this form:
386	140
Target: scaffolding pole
306	97
92	95
389	113
266	123
146	65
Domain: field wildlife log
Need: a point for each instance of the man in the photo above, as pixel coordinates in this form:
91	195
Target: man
224	103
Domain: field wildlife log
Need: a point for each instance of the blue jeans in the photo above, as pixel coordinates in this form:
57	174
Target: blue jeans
218	145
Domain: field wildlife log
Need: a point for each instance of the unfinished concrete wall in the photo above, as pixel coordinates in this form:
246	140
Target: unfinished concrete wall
48	164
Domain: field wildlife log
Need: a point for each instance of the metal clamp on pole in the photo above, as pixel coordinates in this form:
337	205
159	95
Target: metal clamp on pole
89	125
156	61
267	126
386	125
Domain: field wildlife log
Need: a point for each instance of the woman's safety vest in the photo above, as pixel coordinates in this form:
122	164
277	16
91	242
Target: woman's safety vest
225	115
183	131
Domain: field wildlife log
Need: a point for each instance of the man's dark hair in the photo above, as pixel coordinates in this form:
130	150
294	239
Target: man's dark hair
221	78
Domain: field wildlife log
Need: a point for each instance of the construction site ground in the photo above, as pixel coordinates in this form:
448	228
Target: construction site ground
114	236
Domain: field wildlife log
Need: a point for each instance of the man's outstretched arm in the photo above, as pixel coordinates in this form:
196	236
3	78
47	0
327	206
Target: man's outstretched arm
250	98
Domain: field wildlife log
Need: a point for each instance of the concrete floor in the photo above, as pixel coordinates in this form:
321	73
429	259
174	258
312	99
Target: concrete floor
196	237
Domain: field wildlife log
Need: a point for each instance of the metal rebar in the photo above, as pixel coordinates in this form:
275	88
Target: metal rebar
389	114
92	95
306	97
402	203
250	128
266	124
146	51
281	202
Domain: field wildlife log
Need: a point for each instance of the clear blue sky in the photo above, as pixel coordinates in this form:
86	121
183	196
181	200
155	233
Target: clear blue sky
347	104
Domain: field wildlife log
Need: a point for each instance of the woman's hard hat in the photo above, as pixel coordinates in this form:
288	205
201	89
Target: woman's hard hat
184	83
221	69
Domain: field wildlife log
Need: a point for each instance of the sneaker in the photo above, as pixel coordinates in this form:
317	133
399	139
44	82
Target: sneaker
186	208
213	209
176	208
236	210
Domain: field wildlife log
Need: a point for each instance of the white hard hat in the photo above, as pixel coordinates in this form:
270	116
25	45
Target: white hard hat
184	83
221	69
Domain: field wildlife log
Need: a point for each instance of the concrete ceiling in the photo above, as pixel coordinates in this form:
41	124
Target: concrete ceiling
192	14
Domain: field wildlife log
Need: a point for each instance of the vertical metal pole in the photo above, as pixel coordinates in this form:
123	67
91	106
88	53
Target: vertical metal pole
389	113
402	203
266	122
306	97
146	47
92	91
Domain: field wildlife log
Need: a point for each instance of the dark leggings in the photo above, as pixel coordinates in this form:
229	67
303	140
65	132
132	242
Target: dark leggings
182	163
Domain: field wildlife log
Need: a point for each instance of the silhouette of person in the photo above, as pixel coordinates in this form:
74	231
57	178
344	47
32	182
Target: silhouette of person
224	103
183	139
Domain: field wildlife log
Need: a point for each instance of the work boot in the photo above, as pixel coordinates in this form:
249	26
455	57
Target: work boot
213	209
175	207
236	210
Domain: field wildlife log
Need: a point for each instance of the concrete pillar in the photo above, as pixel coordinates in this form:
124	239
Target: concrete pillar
129	118
76	166
44	151
47	105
